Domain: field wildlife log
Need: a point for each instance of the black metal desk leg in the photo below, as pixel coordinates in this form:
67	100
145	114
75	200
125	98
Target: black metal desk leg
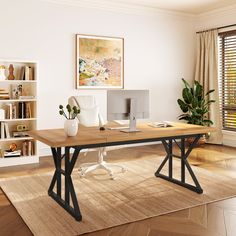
67	175
182	146
170	159
184	165
69	187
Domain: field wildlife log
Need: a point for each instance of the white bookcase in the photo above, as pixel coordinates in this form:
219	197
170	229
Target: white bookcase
29	89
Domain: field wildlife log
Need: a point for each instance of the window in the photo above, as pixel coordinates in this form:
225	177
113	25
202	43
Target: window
227	73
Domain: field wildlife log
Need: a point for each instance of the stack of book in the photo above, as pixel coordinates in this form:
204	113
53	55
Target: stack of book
26	73
9	153
4	94
24	110
19	134
28	148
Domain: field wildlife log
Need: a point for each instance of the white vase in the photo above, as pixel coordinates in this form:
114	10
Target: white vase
71	127
2	73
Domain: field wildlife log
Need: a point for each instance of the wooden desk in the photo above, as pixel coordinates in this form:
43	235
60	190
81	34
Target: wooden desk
92	137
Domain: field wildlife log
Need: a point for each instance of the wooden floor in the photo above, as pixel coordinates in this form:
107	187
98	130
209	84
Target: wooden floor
215	219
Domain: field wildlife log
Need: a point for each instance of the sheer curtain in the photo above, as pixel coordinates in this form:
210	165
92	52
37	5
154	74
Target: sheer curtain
207	74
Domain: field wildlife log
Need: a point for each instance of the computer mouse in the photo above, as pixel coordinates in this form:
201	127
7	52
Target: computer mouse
102	128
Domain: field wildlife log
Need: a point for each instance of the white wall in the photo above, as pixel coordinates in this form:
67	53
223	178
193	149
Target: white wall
159	50
215	19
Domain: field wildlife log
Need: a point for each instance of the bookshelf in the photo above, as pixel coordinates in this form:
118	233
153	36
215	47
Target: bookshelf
18	112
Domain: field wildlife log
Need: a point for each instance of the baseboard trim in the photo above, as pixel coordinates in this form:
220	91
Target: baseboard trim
229	138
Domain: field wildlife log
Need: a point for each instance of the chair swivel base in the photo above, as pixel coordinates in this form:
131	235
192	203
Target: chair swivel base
89	167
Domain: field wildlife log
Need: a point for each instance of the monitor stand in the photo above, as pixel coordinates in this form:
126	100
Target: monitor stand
132	118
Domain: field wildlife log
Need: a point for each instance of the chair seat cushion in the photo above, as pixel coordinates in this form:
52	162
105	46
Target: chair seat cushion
89	116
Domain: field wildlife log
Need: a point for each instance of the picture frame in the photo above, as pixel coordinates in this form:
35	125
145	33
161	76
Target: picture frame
99	62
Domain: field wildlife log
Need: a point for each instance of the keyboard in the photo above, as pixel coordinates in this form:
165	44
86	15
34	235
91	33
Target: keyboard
118	127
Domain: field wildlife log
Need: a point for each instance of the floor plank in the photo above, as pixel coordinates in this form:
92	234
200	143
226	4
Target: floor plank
215	219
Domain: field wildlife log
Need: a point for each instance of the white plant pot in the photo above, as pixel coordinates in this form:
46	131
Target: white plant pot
71	127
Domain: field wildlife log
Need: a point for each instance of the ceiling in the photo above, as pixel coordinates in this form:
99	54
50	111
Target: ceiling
185	6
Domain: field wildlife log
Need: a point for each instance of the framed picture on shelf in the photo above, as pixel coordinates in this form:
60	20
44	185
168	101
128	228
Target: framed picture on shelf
99	62
16	91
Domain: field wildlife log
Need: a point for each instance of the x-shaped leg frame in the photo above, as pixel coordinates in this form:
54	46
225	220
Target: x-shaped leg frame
168	145
69	194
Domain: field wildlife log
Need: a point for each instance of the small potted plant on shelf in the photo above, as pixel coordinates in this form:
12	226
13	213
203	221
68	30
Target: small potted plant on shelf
195	105
71	123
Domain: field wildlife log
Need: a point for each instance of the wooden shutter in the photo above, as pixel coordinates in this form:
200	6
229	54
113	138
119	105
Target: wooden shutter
227	75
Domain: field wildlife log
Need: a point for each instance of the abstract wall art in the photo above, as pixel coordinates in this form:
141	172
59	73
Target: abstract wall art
99	62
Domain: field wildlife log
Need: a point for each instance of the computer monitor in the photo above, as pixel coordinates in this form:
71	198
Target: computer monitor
128	105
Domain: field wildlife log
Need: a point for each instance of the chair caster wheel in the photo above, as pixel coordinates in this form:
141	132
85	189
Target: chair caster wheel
82	175
112	176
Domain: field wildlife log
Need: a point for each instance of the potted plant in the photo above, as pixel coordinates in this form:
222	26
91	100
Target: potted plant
195	105
71	124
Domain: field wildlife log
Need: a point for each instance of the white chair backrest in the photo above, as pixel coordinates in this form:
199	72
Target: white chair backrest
86	101
89	111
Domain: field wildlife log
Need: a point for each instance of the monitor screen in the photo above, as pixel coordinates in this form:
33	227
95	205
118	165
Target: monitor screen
118	104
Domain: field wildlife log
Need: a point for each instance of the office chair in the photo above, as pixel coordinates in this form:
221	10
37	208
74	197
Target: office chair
90	116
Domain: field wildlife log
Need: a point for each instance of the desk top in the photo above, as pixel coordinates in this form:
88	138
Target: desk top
92	135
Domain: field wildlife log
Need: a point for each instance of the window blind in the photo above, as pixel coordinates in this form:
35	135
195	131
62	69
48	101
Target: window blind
227	80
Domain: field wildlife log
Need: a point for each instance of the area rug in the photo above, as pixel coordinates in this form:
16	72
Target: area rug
133	196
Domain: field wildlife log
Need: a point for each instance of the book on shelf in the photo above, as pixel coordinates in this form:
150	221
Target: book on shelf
5	133
11	111
2	130
27	110
22	73
9	153
14	111
21	110
1	153
28	148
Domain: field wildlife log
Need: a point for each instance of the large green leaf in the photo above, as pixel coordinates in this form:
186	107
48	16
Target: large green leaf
210	101
184	117
198	89
185	83
200	111
183	105
194	102
187	95
210	91
196	114
192	92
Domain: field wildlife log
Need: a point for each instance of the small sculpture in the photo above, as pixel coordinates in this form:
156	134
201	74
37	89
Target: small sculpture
11	73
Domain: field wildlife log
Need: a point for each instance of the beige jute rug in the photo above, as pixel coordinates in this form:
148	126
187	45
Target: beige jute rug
134	195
